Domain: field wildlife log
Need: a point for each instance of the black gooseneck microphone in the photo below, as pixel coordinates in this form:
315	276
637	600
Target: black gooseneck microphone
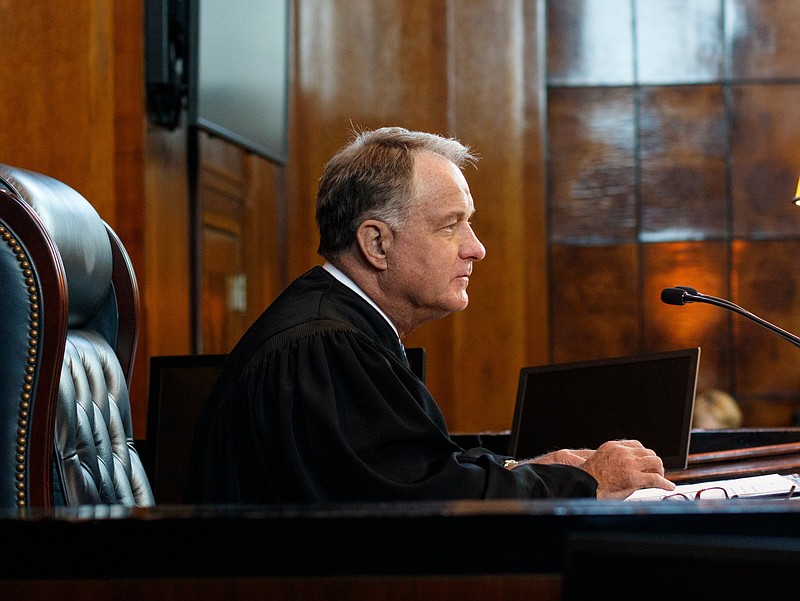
680	295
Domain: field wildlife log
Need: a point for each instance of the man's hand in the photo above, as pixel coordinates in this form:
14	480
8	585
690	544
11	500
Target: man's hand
619	466
573	457
623	466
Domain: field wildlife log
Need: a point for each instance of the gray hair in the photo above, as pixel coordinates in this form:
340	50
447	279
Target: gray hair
372	178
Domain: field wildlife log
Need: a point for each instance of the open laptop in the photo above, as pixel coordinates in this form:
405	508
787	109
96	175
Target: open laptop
647	397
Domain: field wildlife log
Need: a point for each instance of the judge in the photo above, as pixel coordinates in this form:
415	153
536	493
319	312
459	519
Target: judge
316	403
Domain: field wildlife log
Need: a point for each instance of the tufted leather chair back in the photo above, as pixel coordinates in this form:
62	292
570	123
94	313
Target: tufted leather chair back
68	330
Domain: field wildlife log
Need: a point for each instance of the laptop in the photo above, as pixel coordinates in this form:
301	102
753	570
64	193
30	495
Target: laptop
648	397
179	388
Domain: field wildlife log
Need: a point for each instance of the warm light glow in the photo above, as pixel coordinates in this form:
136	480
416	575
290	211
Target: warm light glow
797	194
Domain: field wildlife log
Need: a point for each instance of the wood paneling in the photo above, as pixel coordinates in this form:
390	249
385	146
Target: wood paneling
535	285
767	276
592	177
72	109
765	159
678	41
510	587
58	97
488	46
706	196
359	64
762	38
128	217
668	131
240	218
452	68
595	302
166	298
264	231
682	141
589	42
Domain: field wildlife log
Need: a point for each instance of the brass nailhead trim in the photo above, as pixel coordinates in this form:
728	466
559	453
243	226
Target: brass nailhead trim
33	342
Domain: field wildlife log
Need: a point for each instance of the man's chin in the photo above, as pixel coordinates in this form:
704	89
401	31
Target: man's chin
460	304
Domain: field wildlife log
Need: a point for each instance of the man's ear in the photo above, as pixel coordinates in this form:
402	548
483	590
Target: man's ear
373	237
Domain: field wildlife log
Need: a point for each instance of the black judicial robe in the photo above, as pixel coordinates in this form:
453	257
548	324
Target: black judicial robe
316	404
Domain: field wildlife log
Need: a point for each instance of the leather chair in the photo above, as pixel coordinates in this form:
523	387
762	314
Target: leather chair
68	330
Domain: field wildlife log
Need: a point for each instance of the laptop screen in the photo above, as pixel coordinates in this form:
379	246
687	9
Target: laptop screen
646	397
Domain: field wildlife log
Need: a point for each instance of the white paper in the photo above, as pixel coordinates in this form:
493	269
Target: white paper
767	485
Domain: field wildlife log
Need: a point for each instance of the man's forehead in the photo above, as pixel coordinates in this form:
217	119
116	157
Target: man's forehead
437	175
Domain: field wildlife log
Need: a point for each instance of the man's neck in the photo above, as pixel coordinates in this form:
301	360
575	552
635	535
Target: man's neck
348	281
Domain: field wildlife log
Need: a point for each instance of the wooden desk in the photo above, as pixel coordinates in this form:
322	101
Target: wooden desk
720	454
508	546
467	550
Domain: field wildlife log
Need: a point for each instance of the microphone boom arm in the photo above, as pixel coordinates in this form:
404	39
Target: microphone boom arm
680	295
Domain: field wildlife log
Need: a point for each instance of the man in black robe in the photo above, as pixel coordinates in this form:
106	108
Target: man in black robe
317	403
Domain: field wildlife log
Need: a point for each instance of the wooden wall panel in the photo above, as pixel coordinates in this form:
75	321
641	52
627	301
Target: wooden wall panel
682	140
74	109
264	232
364	64
488	46
421	65
592	137
240	217
761	35
678	41
595	302
359	64
767	282
222	301
58	95
589	42
714	168
128	217
765	159
166	292
535	251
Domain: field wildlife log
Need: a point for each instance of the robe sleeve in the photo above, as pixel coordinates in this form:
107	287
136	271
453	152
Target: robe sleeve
334	416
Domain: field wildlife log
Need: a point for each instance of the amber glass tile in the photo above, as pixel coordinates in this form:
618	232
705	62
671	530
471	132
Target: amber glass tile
766	282
589	42
595	302
762	36
683	146
703	266
592	168
765	158
679	41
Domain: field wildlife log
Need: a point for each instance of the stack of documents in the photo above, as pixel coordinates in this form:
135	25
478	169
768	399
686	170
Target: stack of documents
767	486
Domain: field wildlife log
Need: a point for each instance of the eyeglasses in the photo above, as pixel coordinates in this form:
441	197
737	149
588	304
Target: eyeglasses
712	492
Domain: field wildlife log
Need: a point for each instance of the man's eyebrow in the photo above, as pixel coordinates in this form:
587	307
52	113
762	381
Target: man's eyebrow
458	215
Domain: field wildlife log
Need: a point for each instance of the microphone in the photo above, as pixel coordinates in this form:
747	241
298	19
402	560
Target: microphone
680	295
